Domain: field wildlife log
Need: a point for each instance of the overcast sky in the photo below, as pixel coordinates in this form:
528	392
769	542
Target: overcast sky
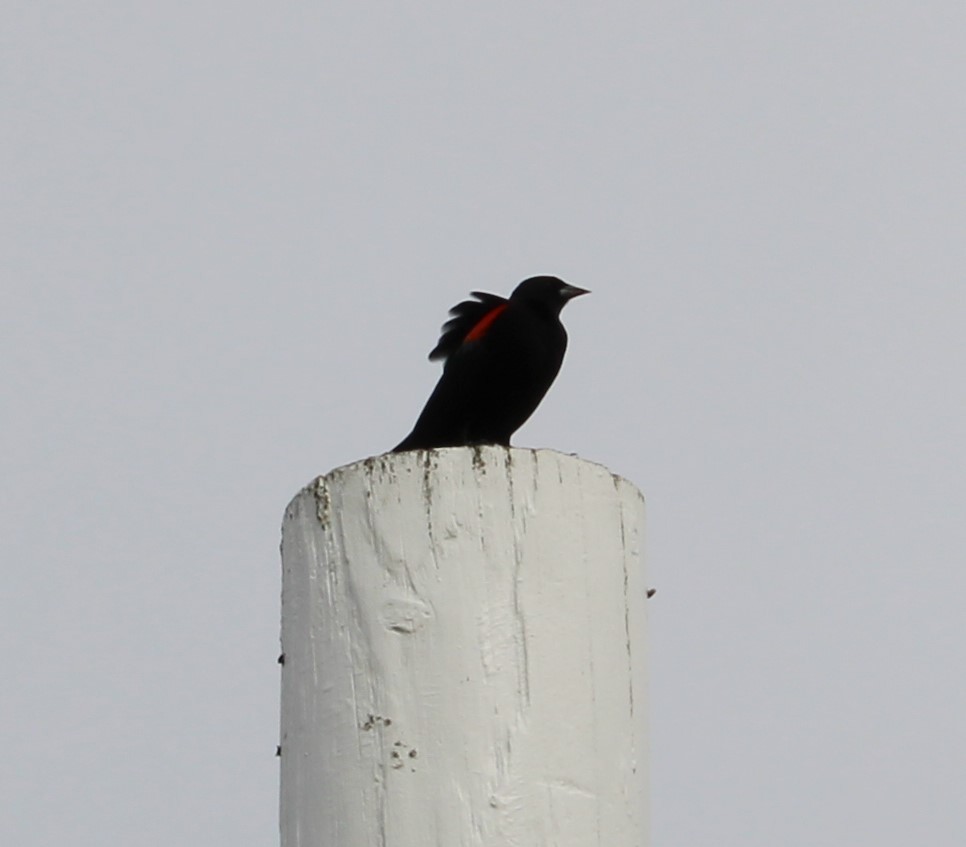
231	232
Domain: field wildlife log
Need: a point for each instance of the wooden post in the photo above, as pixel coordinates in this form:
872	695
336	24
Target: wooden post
463	636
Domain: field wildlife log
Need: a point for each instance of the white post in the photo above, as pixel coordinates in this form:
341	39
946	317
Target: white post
463	634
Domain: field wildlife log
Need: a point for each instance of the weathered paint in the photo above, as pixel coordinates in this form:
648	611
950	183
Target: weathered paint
464	641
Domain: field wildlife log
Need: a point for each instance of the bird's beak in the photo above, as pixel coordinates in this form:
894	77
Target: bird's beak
568	292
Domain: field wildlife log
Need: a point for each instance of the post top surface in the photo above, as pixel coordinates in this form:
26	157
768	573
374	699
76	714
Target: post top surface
484	457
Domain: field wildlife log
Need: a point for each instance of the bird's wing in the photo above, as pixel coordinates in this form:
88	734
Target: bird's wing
470	319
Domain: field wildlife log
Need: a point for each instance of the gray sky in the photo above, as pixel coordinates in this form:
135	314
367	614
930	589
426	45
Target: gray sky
231	232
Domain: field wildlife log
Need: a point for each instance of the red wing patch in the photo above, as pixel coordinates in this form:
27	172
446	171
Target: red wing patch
484	323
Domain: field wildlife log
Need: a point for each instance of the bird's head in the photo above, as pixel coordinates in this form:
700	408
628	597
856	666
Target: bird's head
546	292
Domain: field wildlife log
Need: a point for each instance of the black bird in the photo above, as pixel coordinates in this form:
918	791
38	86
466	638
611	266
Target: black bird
501	355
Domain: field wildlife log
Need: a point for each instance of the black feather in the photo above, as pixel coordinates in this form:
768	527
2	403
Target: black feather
466	315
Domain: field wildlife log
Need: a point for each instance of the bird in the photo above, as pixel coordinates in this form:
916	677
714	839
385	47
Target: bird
500	356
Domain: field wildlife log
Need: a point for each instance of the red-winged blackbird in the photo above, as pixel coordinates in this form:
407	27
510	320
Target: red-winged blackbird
501	357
